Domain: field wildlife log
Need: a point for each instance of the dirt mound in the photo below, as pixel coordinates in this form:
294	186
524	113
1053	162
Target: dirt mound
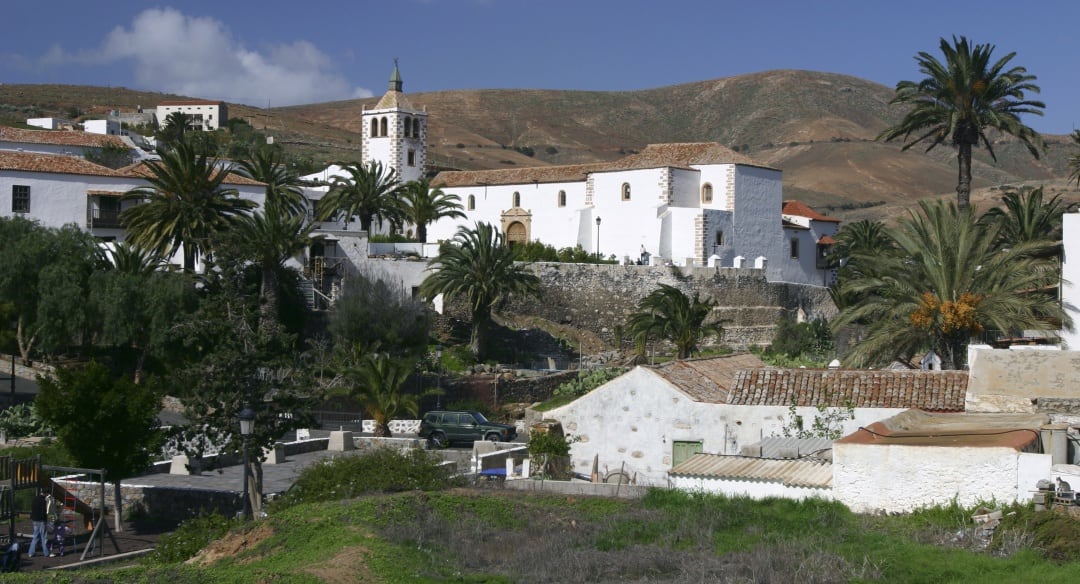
232	544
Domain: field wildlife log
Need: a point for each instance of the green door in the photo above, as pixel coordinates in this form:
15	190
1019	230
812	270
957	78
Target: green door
682	450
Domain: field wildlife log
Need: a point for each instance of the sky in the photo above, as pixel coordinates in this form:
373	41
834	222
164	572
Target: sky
286	53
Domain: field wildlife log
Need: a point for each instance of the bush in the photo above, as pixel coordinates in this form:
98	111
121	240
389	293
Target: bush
22	420
381	470
190	537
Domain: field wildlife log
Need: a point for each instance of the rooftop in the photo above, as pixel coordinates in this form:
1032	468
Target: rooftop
176	102
915	428
937	391
59	138
792	473
796	208
707	380
55	163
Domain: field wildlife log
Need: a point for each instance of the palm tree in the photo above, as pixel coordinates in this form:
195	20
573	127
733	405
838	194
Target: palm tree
479	266
948	282
267	166
1025	217
861	239
377	384
1074	158
962	97
668	314
270	238
185	205
423	205
128	258
177	125
370	192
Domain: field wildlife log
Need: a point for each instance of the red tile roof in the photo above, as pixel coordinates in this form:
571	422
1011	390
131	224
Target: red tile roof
190	102
56	163
59	138
653	156
826	240
936	391
802	210
708	379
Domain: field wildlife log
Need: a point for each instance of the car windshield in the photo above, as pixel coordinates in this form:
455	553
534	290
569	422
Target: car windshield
480	419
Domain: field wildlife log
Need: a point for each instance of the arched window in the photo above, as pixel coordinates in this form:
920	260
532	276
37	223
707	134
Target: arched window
472	203
562	198
517	199
719	238
706	193
416	128
383	127
408	127
626	191
374	127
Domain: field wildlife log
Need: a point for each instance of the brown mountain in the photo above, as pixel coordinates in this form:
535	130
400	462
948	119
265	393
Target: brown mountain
819	128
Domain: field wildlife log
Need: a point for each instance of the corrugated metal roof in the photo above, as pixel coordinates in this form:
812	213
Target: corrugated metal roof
789	447
792	473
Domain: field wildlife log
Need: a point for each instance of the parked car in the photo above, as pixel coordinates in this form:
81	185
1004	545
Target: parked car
444	427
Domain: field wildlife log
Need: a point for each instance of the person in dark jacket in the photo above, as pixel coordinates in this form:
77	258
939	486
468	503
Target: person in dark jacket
38	516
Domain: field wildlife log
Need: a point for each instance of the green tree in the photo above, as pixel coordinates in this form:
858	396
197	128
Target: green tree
668	314
176	127
1024	216
478	266
375	313
186	205
423	205
102	420
111	155
369	192
960	98
1074	158
266	165
948	282
861	239
377	381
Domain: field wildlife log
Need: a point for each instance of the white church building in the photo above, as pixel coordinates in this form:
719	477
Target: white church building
698	204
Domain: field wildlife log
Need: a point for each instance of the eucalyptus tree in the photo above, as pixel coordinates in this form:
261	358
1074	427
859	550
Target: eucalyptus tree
185	205
962	97
423	205
668	314
478	266
370	193
948	282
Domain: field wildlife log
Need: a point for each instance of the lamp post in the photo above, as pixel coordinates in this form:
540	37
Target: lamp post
598	240
438	377
247	425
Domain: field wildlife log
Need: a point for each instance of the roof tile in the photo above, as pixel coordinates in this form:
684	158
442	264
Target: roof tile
936	391
59	138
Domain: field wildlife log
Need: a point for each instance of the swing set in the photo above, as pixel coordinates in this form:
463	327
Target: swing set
29	473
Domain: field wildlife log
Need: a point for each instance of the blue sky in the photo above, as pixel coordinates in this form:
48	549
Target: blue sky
304	52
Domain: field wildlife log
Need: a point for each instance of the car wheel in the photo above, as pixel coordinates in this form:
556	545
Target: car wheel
493	437
438	439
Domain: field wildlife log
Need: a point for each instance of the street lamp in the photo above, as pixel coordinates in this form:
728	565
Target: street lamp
438	377
247	425
598	240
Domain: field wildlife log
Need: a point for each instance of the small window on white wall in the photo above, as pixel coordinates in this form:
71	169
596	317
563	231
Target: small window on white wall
517	199
706	193
562	198
626	191
472	202
411	158
719	240
794	248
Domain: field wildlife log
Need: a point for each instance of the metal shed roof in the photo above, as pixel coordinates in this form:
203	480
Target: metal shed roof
792	473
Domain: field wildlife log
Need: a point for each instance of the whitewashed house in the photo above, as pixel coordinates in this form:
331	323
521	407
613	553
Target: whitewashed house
651	419
204	114
57	190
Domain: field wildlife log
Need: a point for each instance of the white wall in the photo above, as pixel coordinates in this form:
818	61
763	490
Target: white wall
898	478
105	127
58	199
757	226
1070	278
635	418
752	489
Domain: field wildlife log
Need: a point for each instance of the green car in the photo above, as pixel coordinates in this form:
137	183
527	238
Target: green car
442	428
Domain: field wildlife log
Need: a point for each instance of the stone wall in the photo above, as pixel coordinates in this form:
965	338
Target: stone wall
600	298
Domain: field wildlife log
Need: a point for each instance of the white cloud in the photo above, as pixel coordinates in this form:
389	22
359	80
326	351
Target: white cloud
198	57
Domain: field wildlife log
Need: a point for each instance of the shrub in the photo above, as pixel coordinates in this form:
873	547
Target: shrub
22	420
551	150
380	470
190	537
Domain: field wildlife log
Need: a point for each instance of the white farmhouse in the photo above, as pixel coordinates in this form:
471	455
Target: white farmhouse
204	114
653	418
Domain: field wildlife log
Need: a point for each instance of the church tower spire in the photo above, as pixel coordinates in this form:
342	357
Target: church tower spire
395	133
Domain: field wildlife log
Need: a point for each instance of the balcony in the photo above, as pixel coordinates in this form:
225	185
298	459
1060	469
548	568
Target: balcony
102	218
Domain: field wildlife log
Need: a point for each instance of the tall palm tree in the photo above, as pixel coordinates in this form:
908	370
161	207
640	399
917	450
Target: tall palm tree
479	266
270	238
948	282
423	205
1025	217
377	383
370	192
962	97
668	314
267	166
184	205
861	239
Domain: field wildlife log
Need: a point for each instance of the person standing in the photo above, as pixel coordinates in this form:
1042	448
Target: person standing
38	515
